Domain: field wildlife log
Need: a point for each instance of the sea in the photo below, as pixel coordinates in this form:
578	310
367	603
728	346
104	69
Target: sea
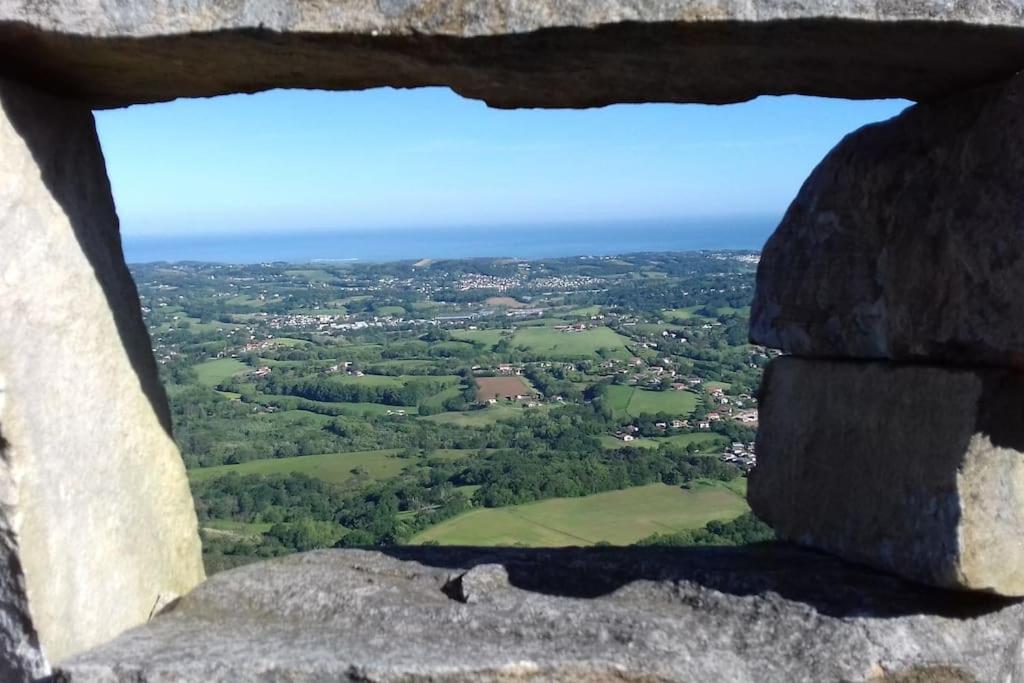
402	244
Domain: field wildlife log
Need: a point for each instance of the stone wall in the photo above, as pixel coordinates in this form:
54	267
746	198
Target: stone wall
895	275
572	615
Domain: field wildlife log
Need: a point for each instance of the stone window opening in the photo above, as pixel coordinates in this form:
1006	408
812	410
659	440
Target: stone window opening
914	326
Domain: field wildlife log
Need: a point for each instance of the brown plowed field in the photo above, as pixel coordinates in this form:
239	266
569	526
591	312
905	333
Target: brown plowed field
501	387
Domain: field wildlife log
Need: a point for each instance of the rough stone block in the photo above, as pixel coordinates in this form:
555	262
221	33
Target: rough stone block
914	469
742	615
97	526
906	242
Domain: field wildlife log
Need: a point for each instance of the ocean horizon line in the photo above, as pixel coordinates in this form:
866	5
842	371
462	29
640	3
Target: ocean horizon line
452	242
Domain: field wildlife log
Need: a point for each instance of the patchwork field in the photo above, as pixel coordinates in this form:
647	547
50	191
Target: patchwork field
617	517
553	343
628	401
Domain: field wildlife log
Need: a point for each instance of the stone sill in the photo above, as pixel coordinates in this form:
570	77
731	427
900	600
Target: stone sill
760	613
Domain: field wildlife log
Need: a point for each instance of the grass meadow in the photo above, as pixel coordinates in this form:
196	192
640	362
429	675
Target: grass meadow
545	341
213	372
626	401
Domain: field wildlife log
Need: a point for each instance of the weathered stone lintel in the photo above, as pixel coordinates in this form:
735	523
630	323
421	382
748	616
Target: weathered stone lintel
514	61
913	469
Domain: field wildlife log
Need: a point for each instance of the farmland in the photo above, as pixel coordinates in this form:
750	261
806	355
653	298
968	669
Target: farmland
617	517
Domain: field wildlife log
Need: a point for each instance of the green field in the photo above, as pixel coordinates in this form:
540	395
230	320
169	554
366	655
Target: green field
312	275
439	398
334	468
288	341
369	380
617	517
628	401
729	310
486	338
585	312
330	310
399	365
544	322
198	326
213	372
708	442
246	300
680	313
552	343
392	381
390	310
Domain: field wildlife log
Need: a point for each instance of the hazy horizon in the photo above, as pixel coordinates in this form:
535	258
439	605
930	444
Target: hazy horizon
534	241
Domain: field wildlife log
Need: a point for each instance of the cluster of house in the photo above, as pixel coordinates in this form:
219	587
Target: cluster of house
525	312
740	454
631	432
476	281
570	329
565	283
344	367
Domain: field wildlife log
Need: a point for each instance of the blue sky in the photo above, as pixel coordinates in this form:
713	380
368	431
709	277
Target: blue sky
313	160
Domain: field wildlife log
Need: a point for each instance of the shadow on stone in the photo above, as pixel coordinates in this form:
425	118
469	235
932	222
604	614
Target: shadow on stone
89	206
830	586
20	654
